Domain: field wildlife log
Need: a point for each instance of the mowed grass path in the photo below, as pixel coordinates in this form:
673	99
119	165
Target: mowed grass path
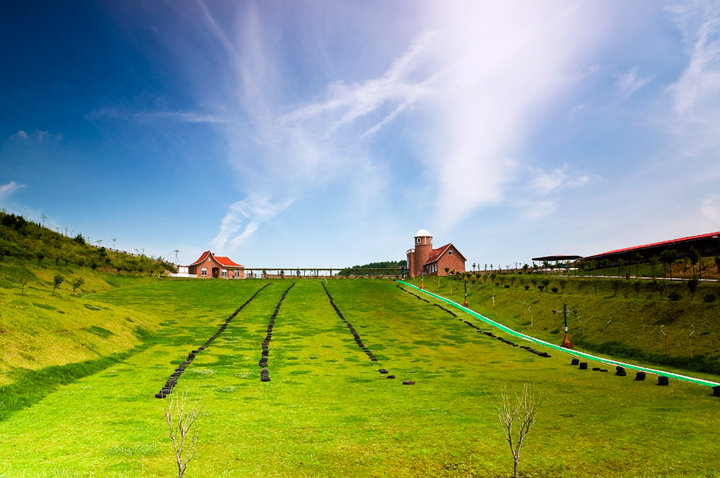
328	412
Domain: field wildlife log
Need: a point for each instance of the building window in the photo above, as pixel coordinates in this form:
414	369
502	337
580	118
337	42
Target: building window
450	252
224	273
418	240
203	272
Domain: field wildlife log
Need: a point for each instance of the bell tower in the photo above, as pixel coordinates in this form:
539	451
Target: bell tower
422	252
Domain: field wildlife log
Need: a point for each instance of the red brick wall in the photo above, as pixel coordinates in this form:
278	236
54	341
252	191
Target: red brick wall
208	263
422	254
453	261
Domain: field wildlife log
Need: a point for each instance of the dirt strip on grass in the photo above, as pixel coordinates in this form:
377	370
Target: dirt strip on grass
172	380
263	363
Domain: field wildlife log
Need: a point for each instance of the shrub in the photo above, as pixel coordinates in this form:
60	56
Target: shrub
709	298
527	287
554	289
674	295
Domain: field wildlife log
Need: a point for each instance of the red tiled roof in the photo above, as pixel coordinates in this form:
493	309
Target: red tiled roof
436	253
202	258
223	261
656	244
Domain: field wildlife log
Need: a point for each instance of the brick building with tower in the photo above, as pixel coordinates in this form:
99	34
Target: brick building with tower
424	260
210	265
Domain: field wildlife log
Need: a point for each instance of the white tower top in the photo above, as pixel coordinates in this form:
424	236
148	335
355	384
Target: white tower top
423	233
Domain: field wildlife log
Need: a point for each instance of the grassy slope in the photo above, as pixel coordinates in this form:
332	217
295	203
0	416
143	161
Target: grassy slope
328	412
634	330
38	329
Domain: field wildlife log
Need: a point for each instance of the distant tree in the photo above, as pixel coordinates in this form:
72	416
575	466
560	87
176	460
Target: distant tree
525	268
637	258
76	284
79	239
694	257
637	285
57	280
693	284
562	283
653	262
616	283
24	278
621	264
660	286
668	257
605	264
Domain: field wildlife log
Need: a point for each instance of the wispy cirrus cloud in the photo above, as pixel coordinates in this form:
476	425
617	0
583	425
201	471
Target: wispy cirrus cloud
6	190
111	113
629	82
697	93
37	135
243	218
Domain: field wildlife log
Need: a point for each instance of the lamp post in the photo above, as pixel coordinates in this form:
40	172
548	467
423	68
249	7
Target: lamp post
566	341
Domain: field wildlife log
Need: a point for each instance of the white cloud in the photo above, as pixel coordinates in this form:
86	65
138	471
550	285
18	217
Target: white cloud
243	218
547	182
472	80
37	135
109	113
629	82
697	92
6	190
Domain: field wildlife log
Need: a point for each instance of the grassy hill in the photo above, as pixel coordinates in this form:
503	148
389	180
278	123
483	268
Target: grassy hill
327	410
617	317
48	317
26	240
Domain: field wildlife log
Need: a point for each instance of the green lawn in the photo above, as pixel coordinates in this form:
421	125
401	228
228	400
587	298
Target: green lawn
327	411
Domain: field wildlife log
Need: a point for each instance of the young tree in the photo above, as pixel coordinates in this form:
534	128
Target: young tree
694	257
638	258
693	285
180	417
24	278
653	262
516	417
637	285
76	284
717	263
668	257
562	283
57	280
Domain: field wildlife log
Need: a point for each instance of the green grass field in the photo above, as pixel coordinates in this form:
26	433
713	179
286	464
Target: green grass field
327	411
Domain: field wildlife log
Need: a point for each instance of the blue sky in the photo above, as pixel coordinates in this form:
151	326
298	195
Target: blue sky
326	133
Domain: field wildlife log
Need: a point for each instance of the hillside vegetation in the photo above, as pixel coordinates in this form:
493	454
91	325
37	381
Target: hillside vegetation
48	317
618	317
27	240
